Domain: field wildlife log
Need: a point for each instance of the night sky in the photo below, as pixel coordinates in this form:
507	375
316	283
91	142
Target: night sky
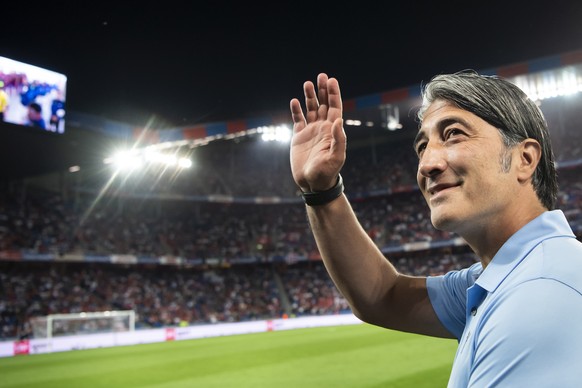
188	64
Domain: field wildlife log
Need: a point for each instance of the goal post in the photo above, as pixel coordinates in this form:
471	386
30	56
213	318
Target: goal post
56	325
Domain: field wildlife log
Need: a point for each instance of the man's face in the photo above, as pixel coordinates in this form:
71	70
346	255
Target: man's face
461	169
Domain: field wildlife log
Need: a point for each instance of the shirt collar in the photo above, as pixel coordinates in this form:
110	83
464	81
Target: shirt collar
547	225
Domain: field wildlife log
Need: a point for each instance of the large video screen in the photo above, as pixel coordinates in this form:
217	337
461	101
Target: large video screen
32	96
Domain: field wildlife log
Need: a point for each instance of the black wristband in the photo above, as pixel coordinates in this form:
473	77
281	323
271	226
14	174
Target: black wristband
319	198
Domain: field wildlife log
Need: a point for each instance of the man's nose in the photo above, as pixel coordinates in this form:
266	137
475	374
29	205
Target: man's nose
432	160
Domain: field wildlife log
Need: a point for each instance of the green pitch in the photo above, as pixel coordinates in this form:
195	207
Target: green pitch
342	356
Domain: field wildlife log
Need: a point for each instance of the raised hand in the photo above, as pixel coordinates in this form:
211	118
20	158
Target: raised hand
318	147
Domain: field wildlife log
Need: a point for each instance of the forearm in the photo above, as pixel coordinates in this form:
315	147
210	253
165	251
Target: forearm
356	265
371	284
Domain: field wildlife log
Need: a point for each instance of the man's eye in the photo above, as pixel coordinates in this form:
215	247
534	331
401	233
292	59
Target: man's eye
421	147
452	132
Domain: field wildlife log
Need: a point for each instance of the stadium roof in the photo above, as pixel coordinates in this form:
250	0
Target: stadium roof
88	136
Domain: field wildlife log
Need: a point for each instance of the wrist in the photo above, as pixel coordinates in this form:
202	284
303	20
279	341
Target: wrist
319	198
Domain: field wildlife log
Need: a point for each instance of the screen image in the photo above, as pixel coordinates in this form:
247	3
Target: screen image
32	96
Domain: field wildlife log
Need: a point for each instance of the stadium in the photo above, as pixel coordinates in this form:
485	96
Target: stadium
116	238
145	255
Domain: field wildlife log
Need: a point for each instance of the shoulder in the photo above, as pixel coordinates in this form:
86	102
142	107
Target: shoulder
547	281
557	258
542	291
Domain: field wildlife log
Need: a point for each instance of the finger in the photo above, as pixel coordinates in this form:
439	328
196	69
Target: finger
311	103
322	96
339	143
297	115
335	109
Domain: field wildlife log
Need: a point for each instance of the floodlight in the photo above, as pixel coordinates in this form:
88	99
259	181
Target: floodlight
127	160
550	84
280	133
184	163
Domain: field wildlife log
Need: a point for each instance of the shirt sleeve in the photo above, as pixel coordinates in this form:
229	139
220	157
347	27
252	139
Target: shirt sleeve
530	338
448	296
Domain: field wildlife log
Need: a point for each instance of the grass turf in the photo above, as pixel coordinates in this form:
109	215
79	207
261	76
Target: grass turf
342	356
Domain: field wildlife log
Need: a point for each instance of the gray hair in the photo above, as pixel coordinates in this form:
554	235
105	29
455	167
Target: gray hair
506	107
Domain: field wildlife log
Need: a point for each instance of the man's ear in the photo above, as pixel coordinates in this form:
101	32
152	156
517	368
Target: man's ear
530	153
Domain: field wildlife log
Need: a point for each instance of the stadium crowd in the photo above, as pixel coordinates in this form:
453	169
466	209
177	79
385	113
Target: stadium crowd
48	223
172	296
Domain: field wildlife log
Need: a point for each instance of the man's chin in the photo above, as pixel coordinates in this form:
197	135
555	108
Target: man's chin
443	222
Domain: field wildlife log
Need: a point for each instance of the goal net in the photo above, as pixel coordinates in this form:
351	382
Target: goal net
56	325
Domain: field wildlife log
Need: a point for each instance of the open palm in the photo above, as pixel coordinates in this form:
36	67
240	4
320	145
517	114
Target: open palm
318	147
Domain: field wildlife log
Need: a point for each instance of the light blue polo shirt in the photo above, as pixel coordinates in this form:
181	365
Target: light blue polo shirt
519	321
